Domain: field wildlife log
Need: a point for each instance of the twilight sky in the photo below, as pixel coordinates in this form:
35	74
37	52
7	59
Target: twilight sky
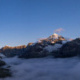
23	21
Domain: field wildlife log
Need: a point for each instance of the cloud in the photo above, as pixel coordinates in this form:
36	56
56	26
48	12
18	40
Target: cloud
44	68
59	30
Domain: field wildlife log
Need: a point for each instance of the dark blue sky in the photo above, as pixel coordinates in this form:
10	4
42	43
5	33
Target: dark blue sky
23	21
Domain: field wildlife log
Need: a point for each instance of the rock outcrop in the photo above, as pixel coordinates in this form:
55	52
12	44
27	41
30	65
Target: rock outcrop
34	51
69	49
4	72
12	51
2	63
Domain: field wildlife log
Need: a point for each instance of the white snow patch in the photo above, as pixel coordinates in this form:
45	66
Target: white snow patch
51	48
2	55
54	36
64	42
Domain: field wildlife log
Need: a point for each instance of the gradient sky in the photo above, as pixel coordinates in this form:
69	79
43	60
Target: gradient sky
23	21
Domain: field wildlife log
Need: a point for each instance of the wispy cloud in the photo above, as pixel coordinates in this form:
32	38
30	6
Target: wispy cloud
58	30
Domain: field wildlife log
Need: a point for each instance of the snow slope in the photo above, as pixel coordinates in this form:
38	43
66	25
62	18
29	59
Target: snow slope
51	48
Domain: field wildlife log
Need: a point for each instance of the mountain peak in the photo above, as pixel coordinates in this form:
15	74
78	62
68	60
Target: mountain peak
54	36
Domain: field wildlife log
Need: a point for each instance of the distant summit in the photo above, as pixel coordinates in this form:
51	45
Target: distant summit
54	36
53	39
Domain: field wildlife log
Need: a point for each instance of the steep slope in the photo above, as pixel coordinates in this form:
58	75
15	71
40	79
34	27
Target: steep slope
12	51
69	49
44	47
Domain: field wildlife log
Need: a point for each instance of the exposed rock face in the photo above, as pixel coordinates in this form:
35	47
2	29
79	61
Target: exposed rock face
2	63
4	72
12	51
35	51
69	49
29	44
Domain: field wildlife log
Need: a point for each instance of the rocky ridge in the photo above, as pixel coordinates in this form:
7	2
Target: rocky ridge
55	45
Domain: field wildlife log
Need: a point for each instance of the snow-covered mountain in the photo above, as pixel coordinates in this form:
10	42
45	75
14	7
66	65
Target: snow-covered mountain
54	38
55	45
41	48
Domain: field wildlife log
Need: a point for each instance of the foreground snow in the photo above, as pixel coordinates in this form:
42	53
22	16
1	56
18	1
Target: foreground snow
44	69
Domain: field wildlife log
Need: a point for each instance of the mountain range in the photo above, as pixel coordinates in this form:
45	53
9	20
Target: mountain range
55	45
